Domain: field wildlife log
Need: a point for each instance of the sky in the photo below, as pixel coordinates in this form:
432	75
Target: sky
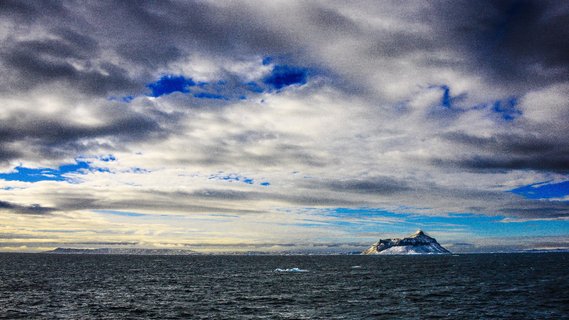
300	126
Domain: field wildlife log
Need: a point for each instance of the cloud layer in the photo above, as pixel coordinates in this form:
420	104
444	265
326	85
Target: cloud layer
237	120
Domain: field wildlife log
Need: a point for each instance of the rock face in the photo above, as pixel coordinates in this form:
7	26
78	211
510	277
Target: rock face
418	243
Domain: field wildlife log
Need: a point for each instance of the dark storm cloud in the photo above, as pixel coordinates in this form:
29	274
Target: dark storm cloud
510	151
7	153
54	138
507	143
172	28
497	163
37	62
26	11
531	210
34	209
145	34
379	185
407	187
331	20
54	132
62	52
508	40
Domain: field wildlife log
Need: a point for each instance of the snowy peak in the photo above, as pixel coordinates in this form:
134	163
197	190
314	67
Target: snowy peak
419	233
417	243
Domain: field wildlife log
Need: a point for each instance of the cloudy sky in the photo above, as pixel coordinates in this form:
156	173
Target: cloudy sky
283	125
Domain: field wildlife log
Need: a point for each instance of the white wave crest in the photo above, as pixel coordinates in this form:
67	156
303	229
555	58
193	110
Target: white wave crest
290	270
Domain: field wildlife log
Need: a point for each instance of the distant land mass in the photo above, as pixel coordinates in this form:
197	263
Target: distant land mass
129	251
417	243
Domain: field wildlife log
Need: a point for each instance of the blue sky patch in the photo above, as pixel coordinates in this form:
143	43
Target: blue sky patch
108	158
267	61
507	108
169	84
230	177
254	87
283	76
127	99
207	95
233	177
446	99
44	174
203	84
543	190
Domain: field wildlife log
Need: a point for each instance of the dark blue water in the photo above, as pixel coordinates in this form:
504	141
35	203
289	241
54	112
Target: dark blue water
490	286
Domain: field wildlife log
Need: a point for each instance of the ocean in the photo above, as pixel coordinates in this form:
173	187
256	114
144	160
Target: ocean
477	286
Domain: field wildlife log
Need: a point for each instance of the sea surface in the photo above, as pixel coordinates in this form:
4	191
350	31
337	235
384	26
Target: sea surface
481	286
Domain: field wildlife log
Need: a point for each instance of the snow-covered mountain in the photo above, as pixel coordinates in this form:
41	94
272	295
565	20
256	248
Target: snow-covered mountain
417	243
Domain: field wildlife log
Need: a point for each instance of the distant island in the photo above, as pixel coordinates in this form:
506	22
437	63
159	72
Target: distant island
417	243
128	251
